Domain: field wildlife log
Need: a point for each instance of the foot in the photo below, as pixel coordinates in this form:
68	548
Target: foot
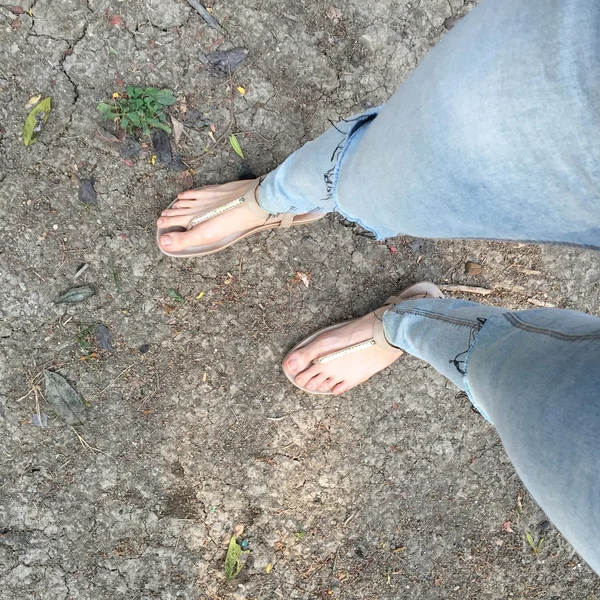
339	375
192	203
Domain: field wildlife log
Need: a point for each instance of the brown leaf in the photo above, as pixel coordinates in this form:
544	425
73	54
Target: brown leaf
303	277
16	24
17	10
238	530
105	135
335	14
473	268
177	130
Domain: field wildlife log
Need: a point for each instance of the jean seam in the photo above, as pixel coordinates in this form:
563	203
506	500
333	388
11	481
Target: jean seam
367	117
419	312
466	375
565	337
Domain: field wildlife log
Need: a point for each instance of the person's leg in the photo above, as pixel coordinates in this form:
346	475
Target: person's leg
535	375
496	134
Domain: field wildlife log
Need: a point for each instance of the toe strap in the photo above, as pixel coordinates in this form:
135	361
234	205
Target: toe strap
344	352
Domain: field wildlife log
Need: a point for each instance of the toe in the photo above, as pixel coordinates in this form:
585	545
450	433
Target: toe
327	385
173	221
305	376
316	382
177	241
297	362
340	388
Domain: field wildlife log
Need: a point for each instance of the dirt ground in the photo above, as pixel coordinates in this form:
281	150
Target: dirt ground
397	490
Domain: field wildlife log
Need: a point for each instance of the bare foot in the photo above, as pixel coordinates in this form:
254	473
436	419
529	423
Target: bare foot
193	203
339	375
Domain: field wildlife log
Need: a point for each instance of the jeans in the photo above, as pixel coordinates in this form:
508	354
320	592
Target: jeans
535	374
495	135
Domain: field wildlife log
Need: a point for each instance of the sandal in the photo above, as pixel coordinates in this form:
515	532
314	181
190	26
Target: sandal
419	290
249	199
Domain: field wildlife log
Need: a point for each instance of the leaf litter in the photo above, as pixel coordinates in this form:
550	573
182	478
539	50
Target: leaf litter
104	337
35	121
66	402
87	194
75	295
224	62
233	564
235	144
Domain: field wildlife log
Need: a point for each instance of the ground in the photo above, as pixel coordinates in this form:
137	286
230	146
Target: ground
397	490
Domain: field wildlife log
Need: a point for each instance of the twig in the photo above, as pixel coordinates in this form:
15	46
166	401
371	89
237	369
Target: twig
86	446
117	377
37	406
81	271
540	303
349	519
210	20
465	288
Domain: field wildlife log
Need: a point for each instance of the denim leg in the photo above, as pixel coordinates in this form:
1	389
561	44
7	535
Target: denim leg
439	332
304	182
495	135
536	375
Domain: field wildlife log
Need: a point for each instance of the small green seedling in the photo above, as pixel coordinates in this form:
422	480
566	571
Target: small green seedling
85	338
139	108
176	296
535	548
300	535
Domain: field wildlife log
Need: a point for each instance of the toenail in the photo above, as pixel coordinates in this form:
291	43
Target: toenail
166	240
159	222
292	364
300	381
164	213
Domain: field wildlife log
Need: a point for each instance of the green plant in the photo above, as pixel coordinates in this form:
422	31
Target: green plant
85	340
140	108
535	548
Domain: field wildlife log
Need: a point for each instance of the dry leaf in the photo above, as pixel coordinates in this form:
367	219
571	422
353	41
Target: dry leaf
241	90
177	129
67	403
473	268
268	568
213	128
33	100
238	530
153	159
212	136
335	14
303	277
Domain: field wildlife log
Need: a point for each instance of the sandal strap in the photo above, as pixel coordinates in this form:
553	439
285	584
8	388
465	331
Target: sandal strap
249	200
378	338
215	212
344	352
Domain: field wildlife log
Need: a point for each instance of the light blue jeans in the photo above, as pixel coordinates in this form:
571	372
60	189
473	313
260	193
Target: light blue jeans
496	135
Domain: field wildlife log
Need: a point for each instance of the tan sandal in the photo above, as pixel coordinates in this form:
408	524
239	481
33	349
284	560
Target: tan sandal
248	199
419	290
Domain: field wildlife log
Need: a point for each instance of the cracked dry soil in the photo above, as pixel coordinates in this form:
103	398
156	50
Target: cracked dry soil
396	490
